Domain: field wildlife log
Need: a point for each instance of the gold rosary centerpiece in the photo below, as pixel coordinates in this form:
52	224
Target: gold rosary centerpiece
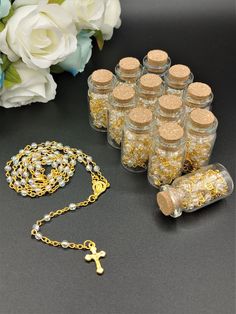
27	174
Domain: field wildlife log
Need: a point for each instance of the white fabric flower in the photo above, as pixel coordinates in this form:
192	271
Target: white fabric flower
41	34
101	15
111	18
87	14
36	86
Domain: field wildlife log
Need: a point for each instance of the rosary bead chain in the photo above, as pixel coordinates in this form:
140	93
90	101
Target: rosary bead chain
26	174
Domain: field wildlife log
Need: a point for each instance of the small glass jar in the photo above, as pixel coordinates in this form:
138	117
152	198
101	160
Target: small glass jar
169	109
156	62
197	95
149	88
136	142
101	83
122	100
195	190
201	129
177	78
167	155
128	71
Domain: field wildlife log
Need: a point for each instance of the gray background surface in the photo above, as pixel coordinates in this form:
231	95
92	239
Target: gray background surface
154	265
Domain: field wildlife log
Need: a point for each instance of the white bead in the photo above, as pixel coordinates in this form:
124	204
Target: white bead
17	183
65	244
21	151
80	159
23	181
25	174
48	188
61	168
67	169
96	168
59	146
89	158
34	145
7	168
31	181
54	164
62	183
70	173
88	167
35	227
14	173
79	151
73	162
47	218
72	206
38	236
47	143
30	168
9	179
13	158
23	193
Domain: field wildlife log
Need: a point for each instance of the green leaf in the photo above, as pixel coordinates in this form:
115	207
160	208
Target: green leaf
56	69
99	38
5	63
6	18
1	26
56	1
12	77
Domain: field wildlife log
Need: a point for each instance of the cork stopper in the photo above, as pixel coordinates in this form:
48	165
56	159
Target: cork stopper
171	132
140	116
102	77
129	65
165	203
170	103
199	90
179	72
150	82
202	118
157	57
123	93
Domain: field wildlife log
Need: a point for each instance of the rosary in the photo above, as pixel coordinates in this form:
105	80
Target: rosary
26	174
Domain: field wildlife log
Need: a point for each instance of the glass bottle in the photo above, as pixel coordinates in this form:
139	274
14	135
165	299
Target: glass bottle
195	190
201	129
100	84
136	142
197	95
157	62
169	109
122	100
128	71
149	88
177	78
167	155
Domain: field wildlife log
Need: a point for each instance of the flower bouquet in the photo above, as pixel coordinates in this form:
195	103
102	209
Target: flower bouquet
40	37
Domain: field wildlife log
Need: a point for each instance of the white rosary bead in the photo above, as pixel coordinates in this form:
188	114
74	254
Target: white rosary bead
47	217
80	159
96	168
38	236
79	151
70	173
89	168
73	162
7	168
9	179
35	227
23	193
89	159
47	143
72	206
34	145
65	244
23	181
62	183
48	188
14	173
54	164
25	174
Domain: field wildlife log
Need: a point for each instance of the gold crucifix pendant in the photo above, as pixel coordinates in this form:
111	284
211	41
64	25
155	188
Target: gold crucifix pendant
95	256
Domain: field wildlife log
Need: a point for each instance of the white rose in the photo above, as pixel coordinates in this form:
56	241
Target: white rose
41	34
87	14
36	86
111	18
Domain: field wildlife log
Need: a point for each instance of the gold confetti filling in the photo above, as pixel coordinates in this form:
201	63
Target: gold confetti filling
168	154
98	104
136	142
201	188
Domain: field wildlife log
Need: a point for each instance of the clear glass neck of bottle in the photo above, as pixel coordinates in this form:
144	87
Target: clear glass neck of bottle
101	89
128	77
193	103
149	94
196	130
161	69
177	84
